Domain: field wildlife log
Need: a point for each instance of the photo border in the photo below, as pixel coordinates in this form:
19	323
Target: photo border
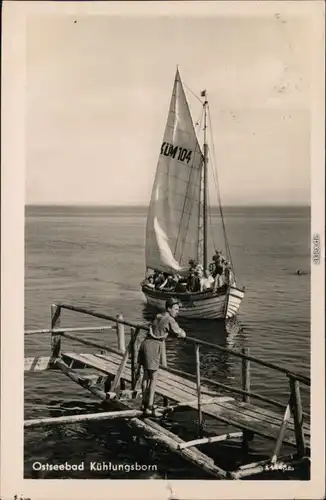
12	261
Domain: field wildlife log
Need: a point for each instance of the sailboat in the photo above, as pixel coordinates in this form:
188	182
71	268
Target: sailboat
177	221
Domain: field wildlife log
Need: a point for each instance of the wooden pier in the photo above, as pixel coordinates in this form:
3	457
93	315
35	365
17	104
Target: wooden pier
114	379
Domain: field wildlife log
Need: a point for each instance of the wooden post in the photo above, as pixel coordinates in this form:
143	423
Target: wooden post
164	364
279	441
118	375
163	355
55	337
133	357
296	407
138	368
245	376
121	334
200	420
245	379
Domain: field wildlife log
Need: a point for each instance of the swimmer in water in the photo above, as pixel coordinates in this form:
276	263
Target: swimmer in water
301	273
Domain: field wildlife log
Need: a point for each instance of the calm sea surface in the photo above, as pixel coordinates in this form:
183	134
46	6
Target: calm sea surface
94	257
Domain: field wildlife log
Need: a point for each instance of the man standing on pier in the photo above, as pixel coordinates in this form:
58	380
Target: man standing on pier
149	355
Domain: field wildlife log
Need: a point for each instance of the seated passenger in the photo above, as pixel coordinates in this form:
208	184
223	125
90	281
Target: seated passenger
159	280
169	284
149	282
206	281
193	284
156	274
199	268
212	269
181	286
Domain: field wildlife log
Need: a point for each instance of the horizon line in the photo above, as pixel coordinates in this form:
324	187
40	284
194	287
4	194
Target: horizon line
137	205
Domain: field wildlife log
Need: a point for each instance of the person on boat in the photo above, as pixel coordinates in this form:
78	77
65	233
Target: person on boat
220	278
193	283
207	281
181	286
229	275
169	283
216	267
200	269
212	269
192	265
150	350
159	280
155	274
149	282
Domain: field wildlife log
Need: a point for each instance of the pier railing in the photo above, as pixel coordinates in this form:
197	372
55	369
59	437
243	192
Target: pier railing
293	407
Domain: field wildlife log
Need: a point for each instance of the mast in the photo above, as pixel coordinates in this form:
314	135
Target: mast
205	180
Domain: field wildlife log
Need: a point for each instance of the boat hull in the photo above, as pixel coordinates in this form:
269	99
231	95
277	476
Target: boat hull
203	305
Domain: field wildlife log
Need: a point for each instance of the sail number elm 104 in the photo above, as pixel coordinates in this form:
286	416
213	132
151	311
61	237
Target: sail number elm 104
176	152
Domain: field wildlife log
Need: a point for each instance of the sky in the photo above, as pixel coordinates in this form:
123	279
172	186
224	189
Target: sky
98	90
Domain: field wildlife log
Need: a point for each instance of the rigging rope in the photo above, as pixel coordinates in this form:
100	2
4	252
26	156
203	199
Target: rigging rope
193	93
215	176
210	218
183	240
191	199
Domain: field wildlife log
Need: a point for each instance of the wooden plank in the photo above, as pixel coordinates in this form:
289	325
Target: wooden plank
176	380
82	381
194	455
211	439
296	407
252	412
177	396
267	466
173	392
106	364
231	389
95	379
198	390
164	436
184	382
188	402
72	419
241	421
279	441
256	413
74	329
255	420
265	412
38	363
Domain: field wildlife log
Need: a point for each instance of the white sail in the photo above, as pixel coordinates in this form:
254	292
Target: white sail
172	232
